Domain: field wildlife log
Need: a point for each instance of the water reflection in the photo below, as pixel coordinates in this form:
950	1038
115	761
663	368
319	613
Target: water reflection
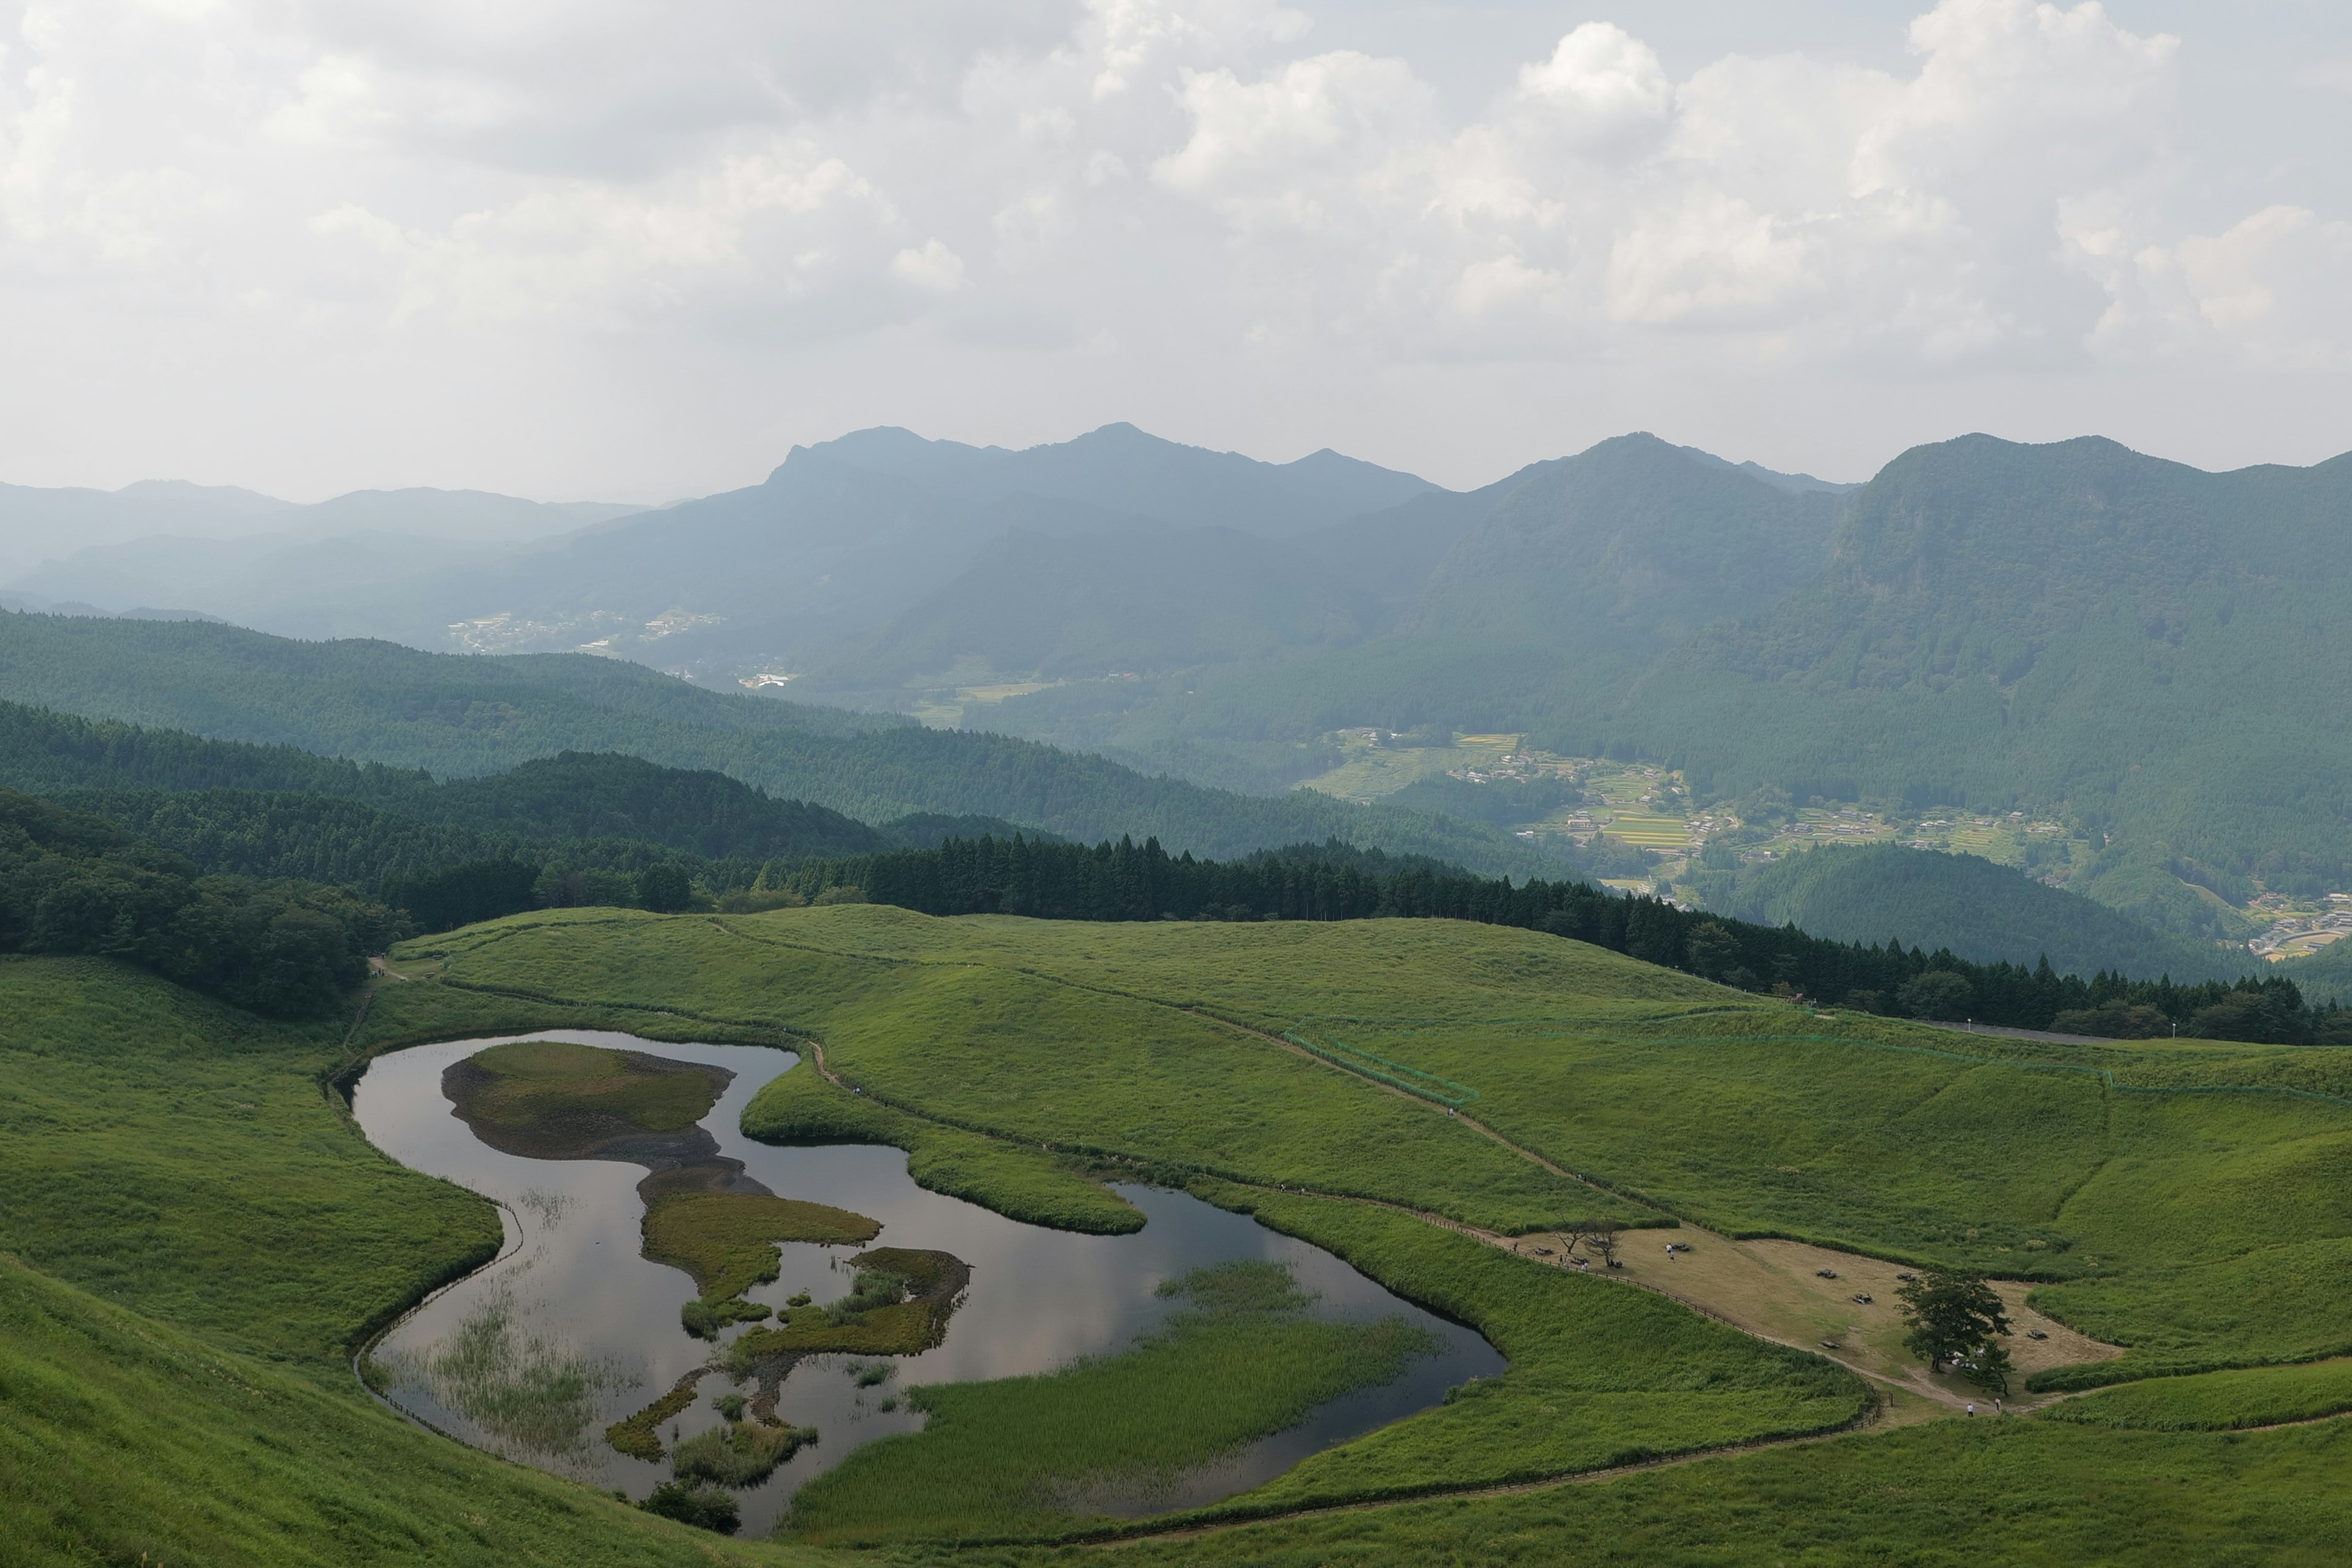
571	1324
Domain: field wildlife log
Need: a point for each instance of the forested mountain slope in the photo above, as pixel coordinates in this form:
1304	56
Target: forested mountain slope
1492	610
458	715
2162	653
1972	907
1141	600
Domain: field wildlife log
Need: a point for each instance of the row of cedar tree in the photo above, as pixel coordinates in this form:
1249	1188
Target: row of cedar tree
1127	881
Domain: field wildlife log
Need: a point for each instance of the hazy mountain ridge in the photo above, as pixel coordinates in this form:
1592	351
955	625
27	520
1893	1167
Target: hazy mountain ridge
2155	654
454	715
1497	608
842	537
137	544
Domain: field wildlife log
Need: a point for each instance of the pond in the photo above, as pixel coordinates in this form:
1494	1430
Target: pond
572	1328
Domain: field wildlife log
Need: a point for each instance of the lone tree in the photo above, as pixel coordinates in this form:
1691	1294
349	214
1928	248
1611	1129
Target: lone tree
1956	1318
1603	1241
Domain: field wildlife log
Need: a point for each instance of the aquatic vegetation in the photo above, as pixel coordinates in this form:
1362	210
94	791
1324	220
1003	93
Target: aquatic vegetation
1246	1285
727	1241
1034	1455
703	1507
639	1436
730	1406
705	1319
552	1099
873	1288
548	1208
899	1304
526	1393
737	1454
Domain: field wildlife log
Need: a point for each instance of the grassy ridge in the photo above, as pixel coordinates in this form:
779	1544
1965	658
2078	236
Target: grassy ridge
177	1156
2218	1401
195	1242
1033	1060
121	1437
1904	1142
2002	1494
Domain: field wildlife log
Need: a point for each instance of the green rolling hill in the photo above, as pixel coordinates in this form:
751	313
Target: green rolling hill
456	716
1975	908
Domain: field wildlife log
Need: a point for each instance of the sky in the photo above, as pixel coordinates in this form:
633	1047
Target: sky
639	249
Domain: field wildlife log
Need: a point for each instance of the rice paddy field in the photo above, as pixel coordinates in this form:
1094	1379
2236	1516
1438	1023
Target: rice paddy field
198	1242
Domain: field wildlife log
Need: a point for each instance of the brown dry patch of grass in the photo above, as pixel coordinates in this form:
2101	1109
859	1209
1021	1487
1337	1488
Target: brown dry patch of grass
1774	1289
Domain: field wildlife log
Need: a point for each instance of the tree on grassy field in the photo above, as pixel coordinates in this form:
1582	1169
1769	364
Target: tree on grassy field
1603	1239
1989	1368
1956	1317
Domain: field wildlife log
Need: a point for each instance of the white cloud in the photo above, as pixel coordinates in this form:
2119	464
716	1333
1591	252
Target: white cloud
931	267
590	255
691	193
2267	294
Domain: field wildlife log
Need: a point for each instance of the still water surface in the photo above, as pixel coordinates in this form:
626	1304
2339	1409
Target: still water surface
576	1286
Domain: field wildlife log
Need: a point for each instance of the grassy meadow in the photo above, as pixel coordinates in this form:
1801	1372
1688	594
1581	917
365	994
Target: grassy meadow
197	1240
2218	1401
1951	1494
1040	1054
193	1241
2121	1175
181	1158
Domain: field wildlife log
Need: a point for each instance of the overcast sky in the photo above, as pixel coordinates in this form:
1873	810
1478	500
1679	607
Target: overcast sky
639	249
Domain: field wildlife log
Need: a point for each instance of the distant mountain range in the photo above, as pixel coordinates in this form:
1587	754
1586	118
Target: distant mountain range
2158	656
247	557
